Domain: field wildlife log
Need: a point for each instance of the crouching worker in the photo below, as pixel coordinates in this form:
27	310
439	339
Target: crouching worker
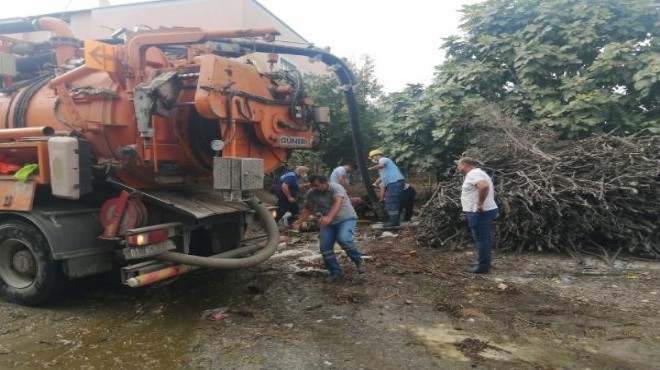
407	202
361	205
337	223
286	191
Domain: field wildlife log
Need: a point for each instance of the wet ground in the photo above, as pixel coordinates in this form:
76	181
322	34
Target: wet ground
414	309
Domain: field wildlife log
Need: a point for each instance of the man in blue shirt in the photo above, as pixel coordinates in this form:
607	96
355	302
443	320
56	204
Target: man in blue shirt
286	190
342	175
392	181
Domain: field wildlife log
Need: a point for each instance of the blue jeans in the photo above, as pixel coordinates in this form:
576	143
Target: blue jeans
341	232
393	194
481	226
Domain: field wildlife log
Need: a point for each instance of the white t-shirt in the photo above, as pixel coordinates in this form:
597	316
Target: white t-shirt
340	171
470	193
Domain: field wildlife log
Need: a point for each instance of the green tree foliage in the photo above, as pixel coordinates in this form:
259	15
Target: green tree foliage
306	158
335	144
410	133
578	66
575	66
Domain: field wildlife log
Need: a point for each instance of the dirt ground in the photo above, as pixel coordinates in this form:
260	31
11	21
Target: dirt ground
414	309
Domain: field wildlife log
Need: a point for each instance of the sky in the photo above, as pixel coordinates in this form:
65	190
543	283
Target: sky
403	37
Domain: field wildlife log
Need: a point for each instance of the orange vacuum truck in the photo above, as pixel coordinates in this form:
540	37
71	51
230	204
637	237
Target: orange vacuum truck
140	153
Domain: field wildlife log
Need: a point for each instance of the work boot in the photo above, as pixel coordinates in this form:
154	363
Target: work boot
361	268
333	278
476	270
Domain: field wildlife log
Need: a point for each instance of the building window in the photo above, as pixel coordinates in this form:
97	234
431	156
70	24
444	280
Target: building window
287	65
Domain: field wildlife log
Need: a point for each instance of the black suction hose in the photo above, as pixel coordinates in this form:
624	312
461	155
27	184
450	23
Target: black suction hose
347	79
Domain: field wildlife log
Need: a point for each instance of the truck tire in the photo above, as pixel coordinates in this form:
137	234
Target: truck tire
28	273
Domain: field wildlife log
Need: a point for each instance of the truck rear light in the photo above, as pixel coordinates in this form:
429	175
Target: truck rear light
150	237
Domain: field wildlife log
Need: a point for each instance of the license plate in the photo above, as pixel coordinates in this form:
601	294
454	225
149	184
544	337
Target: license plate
131	253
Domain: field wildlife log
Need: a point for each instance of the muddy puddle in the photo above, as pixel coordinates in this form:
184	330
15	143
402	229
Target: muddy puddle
100	325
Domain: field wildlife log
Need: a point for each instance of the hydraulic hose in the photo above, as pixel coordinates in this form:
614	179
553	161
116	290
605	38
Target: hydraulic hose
347	79
227	260
23	100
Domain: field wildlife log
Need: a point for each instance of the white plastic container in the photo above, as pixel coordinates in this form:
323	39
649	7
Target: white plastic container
70	167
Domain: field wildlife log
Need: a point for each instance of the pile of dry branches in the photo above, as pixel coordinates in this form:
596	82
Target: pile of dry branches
597	194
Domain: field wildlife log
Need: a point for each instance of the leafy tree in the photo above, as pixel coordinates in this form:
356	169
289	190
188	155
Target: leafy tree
410	132
575	66
578	66
297	158
335	144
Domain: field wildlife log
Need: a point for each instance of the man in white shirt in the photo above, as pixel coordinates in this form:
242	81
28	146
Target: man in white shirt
478	202
342	175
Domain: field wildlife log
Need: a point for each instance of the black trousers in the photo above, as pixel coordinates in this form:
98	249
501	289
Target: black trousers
284	206
407	203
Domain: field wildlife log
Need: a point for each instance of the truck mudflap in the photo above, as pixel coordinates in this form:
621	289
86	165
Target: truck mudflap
52	218
80	251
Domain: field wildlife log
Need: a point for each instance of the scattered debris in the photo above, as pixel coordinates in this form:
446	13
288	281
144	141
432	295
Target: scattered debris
566	278
216	314
411	254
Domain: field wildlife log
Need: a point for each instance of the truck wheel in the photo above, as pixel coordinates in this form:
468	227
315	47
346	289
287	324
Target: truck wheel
28	274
